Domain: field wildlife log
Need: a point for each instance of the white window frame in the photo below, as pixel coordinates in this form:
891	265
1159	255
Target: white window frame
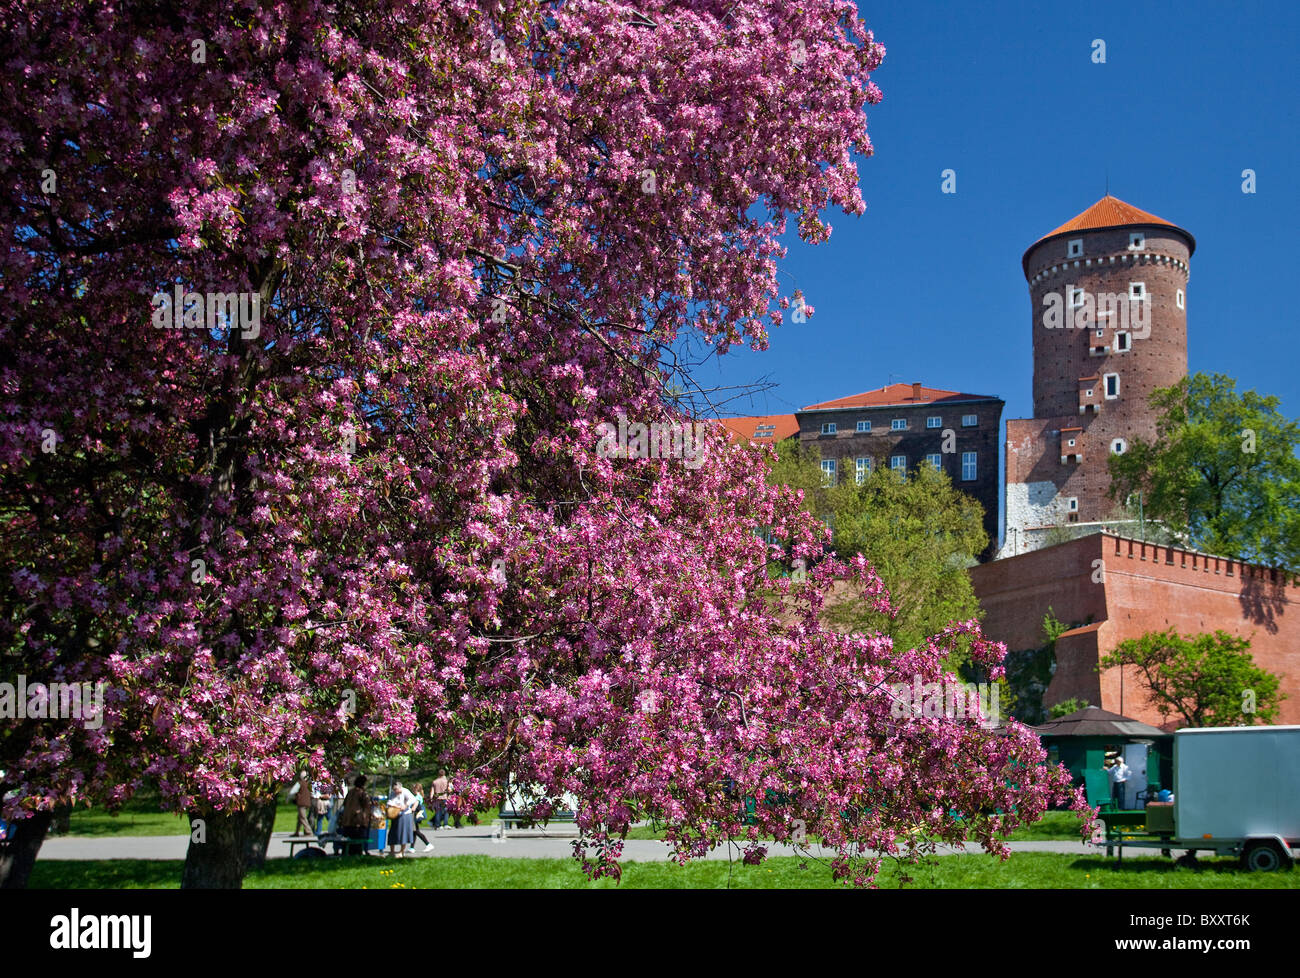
1105	386
1137	240
971	460
1070	442
1072	504
898	424
1137	291
1076	298
934	421
829	428
864	427
1074	248
1088	392
828	472
1179	299
862	469
935	459
898	463
1122	346
970	420
1118	446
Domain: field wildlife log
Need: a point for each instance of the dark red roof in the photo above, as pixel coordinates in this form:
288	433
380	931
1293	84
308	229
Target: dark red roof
896	395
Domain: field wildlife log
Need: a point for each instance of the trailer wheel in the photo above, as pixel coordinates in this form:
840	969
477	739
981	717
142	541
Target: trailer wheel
1262	857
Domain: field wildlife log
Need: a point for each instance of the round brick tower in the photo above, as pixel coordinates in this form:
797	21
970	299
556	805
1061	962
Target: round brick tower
1109	297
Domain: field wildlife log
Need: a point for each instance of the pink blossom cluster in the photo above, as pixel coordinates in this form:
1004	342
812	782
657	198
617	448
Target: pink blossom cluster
284	550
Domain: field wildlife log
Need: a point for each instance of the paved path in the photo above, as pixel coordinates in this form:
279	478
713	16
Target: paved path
478	840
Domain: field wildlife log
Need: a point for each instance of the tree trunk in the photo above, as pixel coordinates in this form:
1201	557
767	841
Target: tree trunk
259	834
226	842
18	852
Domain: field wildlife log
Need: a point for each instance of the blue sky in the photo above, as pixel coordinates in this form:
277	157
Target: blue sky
927	286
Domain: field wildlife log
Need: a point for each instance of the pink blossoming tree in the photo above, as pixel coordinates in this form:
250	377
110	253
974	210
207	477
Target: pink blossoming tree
345	495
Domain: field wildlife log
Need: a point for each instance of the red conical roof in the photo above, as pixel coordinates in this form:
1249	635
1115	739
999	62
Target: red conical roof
1111	212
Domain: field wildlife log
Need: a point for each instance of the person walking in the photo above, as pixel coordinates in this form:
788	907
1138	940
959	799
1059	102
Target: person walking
301	795
401	828
320	804
355	820
438	792
1119	772
419	815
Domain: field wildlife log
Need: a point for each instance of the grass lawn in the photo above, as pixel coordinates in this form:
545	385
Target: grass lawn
1026	870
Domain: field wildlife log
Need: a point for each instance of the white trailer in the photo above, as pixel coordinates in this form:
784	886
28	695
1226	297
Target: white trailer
1236	792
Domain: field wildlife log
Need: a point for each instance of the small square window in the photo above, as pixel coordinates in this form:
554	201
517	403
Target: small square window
1076	298
969	421
1101	332
829	428
1088	392
1071	442
1136	241
934	421
1119	446
1137	291
898	424
864	426
1074	248
1179	300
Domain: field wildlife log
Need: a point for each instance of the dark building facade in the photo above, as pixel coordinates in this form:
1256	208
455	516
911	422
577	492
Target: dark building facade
903	426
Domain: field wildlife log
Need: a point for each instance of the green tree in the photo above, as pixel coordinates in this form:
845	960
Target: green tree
1222	471
1205	680
919	532
1066	707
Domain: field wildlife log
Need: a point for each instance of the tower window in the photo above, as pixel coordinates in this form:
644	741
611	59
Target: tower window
1136	241
1121	342
1071	442
1112	386
1072	504
1074	248
1076	298
1088	392
1178	299
1137	291
1119	446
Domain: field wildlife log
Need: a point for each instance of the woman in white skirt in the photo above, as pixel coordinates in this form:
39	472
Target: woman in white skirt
401	827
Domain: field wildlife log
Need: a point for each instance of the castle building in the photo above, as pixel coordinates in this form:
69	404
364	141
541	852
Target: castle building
902	426
1108	293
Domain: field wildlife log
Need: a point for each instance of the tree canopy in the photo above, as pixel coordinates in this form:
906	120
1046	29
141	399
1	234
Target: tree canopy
315	312
1222	471
1203	680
